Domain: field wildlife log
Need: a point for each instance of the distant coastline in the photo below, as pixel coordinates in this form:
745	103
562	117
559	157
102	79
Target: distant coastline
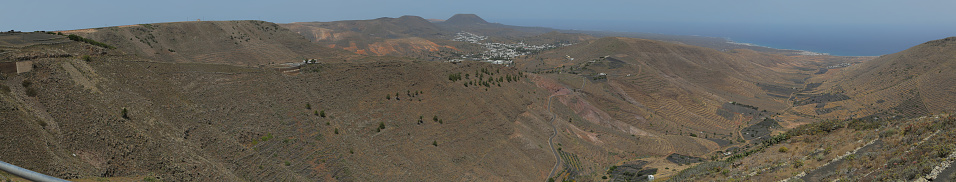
800	52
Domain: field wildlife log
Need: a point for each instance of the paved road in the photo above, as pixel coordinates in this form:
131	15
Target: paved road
557	159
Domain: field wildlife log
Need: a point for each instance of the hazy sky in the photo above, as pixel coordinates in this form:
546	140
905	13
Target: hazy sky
659	16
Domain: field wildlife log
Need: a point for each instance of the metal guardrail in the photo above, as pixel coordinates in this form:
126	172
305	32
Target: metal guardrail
26	173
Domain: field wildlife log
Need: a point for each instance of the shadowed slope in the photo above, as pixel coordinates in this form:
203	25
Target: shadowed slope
246	43
914	82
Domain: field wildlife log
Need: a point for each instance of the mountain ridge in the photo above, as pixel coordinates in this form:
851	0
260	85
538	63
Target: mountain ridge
465	19
248	43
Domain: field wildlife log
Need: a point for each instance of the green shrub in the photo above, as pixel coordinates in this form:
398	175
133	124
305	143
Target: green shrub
888	132
783	150
336	131
89	41
703	169
817	128
322	113
943	150
150	179
308	106
381	125
435	143
4	88
859	124
454	77
87	58
125	113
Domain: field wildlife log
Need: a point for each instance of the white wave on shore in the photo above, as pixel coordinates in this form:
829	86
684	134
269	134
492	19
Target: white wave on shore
798	52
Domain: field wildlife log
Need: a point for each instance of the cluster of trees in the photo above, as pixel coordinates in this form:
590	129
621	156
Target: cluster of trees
413	94
454	77
4	88
817	128
763	145
89	41
32	92
488	82
480	76
558	70
315	112
408	93
745	105
421	119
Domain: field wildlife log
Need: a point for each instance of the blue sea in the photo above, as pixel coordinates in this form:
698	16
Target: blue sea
835	39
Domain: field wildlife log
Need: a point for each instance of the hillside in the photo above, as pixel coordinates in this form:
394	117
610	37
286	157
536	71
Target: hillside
119	114
371	119
403	36
673	99
738	73
915	149
213	101
413	36
876	121
247	43
125	114
915	82
474	24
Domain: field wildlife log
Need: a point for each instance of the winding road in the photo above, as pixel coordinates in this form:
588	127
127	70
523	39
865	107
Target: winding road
557	158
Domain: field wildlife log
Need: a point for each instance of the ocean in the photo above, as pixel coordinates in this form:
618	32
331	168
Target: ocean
835	39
